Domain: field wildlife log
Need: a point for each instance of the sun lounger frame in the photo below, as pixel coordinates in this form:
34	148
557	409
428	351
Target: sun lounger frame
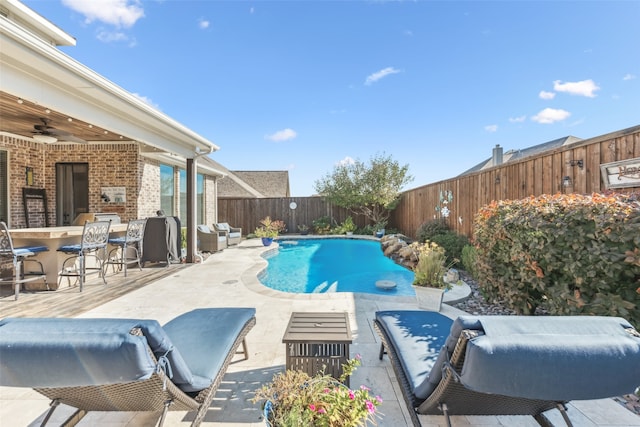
156	393
452	398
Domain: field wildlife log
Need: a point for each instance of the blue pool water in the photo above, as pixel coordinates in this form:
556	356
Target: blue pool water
333	265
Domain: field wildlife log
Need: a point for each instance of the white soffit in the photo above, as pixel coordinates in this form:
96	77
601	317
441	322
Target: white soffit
33	69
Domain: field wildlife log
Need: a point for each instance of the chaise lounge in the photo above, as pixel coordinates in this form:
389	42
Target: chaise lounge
507	365
124	364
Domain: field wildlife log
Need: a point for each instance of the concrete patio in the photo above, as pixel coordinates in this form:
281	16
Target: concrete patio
228	279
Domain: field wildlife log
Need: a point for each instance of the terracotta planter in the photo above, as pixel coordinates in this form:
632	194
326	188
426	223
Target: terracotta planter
429	298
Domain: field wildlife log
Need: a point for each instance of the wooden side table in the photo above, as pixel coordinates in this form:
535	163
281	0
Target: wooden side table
318	341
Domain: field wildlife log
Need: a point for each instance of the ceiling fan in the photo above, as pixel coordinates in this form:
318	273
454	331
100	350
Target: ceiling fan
46	133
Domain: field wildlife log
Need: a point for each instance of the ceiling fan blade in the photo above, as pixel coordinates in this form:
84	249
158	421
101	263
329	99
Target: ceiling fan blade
67	137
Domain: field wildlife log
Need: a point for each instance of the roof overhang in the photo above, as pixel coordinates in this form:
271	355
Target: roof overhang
31	67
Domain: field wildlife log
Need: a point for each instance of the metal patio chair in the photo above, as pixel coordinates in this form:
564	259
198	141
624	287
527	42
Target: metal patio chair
128	248
20	257
93	245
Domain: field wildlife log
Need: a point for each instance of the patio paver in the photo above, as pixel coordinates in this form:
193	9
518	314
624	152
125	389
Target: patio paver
229	279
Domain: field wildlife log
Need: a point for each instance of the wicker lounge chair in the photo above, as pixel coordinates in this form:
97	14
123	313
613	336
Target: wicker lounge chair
234	234
211	241
124	364
507	365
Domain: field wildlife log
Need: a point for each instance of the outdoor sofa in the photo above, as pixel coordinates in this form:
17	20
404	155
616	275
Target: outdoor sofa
507	365
124	364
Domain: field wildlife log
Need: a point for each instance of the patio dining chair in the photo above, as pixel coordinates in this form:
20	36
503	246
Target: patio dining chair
124	364
20	258
507	365
128	248
93	245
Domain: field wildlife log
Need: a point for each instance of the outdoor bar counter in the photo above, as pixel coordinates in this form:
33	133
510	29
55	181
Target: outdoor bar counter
53	238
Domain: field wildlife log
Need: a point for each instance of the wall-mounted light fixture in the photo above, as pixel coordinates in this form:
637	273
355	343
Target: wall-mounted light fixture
566	181
578	163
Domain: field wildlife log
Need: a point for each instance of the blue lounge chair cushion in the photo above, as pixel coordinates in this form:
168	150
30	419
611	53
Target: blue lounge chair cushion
204	228
56	352
205	337
418	337
52	352
551	357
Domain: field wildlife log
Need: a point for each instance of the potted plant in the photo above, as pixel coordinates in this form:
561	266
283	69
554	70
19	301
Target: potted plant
293	398
269	229
379	228
429	283
349	226
303	229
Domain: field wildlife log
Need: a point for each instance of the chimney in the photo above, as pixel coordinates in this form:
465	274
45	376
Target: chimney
497	156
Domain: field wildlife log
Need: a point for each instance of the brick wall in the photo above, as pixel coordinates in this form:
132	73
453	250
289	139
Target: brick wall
110	165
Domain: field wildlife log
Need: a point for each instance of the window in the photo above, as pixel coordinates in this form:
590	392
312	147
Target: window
199	197
166	189
4	186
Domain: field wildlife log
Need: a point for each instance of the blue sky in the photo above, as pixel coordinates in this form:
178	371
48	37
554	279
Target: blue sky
302	85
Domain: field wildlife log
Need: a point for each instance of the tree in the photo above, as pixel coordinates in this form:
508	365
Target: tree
372	190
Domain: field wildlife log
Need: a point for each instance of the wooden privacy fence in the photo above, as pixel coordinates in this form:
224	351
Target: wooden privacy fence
294	211
532	176
462	196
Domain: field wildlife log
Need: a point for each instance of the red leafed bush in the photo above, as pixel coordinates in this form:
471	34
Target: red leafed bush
568	254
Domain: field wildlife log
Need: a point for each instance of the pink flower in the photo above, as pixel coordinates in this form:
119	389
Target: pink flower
364	387
379	399
370	407
322	411
358	357
312	407
326	390
351	395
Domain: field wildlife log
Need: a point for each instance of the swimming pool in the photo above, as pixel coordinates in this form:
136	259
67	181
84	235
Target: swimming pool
333	265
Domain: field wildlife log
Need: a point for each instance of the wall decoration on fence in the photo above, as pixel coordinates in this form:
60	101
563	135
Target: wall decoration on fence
442	209
113	194
625	173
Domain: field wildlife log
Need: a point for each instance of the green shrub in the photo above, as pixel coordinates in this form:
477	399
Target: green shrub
431	266
322	225
428	230
569	254
469	259
452	243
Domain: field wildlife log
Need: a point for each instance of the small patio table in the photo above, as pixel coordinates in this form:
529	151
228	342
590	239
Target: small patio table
318	342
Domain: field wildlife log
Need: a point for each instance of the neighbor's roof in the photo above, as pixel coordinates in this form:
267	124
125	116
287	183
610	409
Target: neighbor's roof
513	155
257	184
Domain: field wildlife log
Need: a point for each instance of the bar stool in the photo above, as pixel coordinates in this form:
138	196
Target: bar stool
94	240
19	257
128	249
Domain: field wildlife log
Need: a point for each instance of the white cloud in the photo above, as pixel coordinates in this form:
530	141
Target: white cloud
203	24
517	119
546	95
629	76
582	88
111	36
119	13
550	115
346	161
372	78
146	100
282	135
491	128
